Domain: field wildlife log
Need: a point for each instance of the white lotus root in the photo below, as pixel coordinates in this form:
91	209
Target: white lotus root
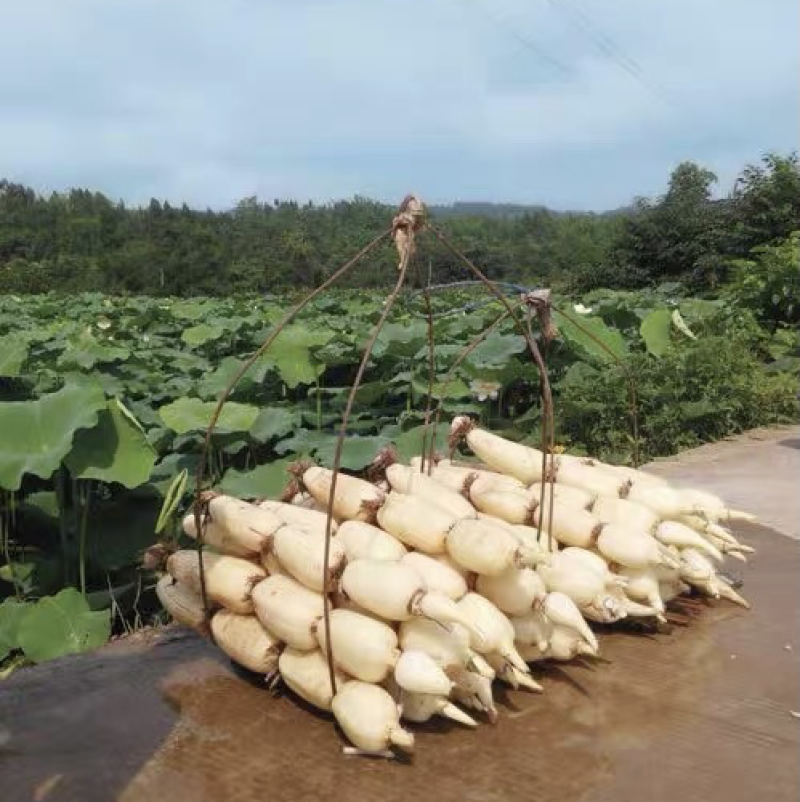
442	581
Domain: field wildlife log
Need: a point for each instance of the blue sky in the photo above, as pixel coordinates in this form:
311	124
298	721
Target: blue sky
579	104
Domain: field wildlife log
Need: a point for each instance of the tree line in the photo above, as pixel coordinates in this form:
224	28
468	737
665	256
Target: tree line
82	240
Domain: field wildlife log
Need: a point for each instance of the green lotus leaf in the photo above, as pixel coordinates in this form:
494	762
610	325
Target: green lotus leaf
38	434
400	339
452	389
290	354
357	452
115	450
655	331
496	350
409	444
85	351
13	353
213	384
191	414
11	613
273	422
201	334
596	339
61	624
265	481
193	310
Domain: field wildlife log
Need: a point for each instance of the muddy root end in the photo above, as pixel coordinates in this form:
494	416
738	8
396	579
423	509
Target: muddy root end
207	496
154	558
598	528
371	507
292	489
376	471
297	469
530	517
459	429
468	482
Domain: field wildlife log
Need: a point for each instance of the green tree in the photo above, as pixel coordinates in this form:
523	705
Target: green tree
769	282
676	236
766	202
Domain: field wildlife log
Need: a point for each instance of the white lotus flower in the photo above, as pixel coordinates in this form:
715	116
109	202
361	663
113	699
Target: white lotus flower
582	310
483	390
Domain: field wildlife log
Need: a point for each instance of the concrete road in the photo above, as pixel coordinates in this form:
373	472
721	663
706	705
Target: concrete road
758	471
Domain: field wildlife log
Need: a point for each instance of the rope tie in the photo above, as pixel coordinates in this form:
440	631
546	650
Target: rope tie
539	301
405	225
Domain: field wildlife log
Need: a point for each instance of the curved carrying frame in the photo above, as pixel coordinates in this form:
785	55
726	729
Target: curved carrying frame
406	226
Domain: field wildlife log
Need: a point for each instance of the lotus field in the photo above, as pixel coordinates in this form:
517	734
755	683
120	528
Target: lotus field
104	403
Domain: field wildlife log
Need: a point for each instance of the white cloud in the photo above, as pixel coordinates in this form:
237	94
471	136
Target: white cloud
208	101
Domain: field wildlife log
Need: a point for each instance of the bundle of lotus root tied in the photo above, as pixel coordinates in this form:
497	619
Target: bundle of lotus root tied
443	579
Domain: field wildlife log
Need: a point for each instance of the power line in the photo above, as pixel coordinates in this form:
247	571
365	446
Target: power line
602	39
521	37
605	45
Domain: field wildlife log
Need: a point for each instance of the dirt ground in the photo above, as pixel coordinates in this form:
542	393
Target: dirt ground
707	711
